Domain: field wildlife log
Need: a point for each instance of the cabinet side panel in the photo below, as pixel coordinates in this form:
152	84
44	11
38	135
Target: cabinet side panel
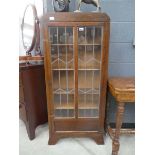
104	74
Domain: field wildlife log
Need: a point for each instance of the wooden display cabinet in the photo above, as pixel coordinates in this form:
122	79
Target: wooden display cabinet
76	69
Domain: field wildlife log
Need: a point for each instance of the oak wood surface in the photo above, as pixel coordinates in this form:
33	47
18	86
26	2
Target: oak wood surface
76	126
123	89
77	17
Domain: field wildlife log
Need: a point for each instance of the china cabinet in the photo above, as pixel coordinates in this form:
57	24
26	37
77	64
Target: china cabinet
76	69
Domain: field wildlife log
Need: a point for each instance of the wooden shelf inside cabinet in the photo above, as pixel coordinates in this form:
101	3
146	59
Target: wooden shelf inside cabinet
76	63
61	44
64	106
99	44
88	106
72	106
70	69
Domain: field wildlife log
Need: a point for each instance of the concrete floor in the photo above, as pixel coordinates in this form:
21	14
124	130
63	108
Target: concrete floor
69	146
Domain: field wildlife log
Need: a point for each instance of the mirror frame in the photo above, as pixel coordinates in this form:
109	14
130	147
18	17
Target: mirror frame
36	37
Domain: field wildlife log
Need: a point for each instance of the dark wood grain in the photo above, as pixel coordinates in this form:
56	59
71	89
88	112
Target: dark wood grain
32	97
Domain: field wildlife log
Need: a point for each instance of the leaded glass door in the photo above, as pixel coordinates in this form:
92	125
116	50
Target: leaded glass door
89	70
89	52
62	61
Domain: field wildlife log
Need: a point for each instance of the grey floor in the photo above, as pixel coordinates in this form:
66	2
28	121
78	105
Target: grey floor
69	146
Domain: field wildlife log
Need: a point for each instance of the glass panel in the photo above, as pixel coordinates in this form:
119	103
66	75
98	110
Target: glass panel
82	35
54	55
61	108
69	35
89	67
97	54
61	35
53	35
62	59
89	59
90	31
98	34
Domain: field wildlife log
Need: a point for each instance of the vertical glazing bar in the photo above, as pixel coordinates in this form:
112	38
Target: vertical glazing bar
100	62
93	73
66	73
59	68
76	69
85	104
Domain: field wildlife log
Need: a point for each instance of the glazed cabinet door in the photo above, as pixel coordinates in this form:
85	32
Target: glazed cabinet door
76	64
89	70
62	62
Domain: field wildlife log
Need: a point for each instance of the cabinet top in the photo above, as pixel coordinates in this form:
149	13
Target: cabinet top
76	17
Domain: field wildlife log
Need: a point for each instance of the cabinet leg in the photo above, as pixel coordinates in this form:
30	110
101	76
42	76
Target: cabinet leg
119	119
99	139
53	140
31	132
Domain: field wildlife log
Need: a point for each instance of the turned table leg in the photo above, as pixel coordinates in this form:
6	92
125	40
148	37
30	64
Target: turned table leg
119	119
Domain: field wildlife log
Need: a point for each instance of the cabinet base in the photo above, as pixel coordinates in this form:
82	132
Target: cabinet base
96	136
